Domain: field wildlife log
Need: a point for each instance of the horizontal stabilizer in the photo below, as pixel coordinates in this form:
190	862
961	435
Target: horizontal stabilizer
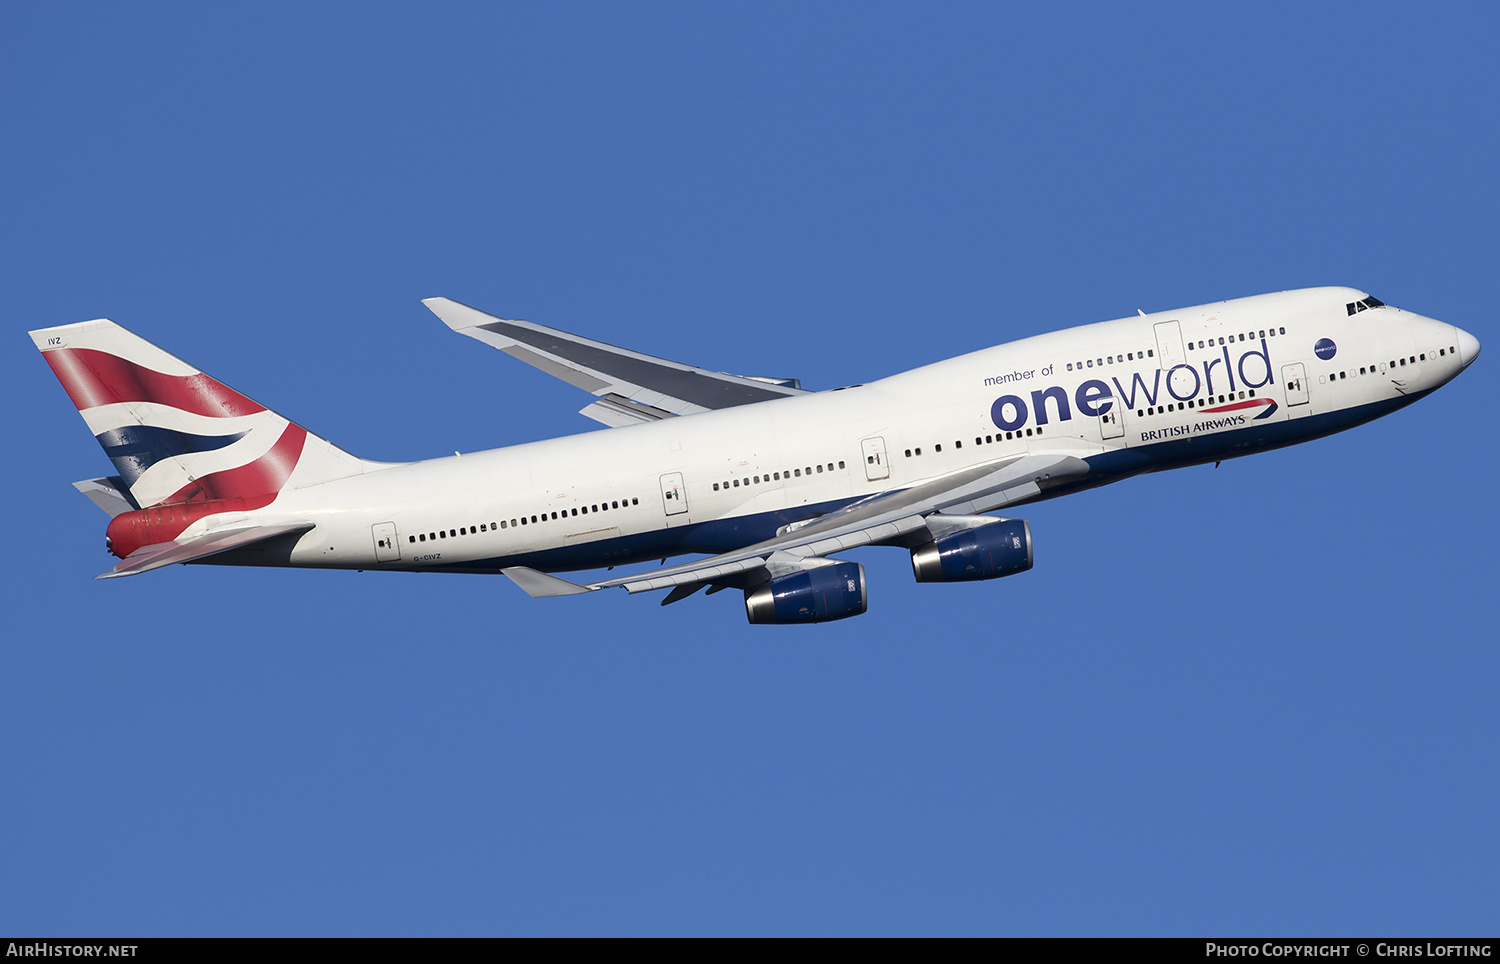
198	547
635	387
538	584
109	494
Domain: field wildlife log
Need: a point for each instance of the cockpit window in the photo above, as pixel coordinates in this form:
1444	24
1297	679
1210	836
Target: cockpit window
1364	305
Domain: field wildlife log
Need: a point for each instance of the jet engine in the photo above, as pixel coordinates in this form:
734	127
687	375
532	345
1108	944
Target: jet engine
1000	548
816	595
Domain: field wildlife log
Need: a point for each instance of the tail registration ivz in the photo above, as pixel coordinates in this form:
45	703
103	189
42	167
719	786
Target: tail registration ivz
760	478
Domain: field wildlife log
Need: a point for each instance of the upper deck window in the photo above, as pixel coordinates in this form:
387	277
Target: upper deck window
1364	305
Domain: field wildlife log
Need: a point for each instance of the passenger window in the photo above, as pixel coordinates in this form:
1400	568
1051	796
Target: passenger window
1091	363
1070	366
423	538
841	465
635	501
820	469
938	447
442	534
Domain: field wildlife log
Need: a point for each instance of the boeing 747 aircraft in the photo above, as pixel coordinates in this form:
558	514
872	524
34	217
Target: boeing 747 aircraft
763	478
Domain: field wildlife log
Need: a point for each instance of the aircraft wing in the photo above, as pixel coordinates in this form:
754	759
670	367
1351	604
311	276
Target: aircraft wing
882	518
632	387
209	543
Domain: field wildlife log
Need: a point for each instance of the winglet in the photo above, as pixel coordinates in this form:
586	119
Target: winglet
538	584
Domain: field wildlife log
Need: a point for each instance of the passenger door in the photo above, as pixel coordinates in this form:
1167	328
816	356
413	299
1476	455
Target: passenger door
876	465
673	494
1169	345
387	549
1294	380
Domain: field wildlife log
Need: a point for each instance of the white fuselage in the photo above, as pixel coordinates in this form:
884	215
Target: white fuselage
1127	396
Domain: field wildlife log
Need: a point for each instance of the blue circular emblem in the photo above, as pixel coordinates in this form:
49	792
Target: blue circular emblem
1325	348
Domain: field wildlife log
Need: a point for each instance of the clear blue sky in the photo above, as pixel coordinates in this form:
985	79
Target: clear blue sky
1257	699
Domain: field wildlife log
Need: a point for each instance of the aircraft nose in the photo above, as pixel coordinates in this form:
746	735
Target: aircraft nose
1468	347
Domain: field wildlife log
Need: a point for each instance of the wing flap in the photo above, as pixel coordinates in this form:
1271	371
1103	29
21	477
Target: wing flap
882	518
198	547
619	375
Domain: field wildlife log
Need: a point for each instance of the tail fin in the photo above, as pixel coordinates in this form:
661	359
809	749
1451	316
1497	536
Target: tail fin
175	434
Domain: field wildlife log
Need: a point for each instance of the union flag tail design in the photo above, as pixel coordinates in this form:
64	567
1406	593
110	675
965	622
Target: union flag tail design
175	434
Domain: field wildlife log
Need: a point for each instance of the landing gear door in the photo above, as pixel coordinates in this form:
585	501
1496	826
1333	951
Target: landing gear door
876	464
673	494
1294	380
387	549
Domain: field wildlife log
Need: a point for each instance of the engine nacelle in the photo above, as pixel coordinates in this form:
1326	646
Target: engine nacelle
1001	548
817	595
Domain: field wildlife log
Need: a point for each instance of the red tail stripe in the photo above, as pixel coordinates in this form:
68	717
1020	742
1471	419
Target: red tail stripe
94	378
248	487
261	479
